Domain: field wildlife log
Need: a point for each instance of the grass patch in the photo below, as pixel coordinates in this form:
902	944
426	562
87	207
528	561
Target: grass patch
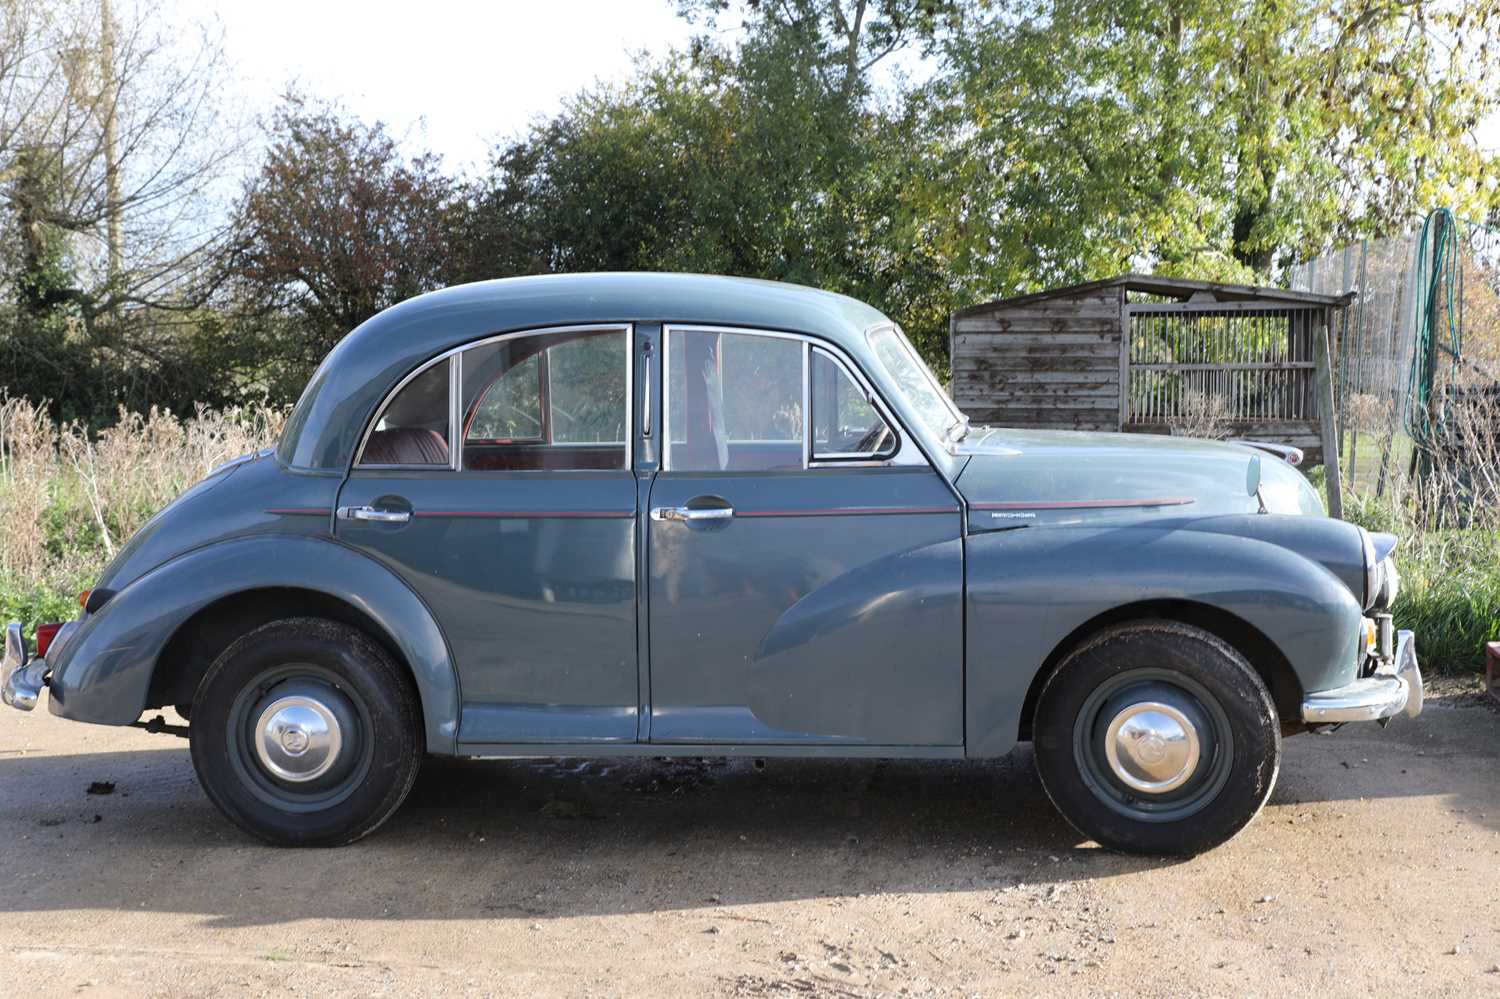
1450	584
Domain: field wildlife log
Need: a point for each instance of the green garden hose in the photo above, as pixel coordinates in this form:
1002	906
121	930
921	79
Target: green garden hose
1436	264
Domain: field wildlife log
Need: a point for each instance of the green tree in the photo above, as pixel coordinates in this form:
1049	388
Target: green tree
1083	136
759	159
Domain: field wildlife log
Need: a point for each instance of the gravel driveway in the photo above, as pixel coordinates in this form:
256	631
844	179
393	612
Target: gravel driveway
1375	870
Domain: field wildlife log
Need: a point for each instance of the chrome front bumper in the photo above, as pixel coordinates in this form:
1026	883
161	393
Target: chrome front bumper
23	677
1395	688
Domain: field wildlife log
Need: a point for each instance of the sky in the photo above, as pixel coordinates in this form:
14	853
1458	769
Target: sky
447	76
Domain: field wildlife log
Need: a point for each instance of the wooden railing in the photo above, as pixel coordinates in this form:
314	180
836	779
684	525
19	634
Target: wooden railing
1243	363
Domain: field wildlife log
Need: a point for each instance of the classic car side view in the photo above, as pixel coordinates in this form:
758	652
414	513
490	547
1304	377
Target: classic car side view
654	514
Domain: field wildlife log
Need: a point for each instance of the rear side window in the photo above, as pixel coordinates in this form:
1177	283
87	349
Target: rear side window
413	429
547	402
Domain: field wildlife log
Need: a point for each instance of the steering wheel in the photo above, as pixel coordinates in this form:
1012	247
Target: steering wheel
874	440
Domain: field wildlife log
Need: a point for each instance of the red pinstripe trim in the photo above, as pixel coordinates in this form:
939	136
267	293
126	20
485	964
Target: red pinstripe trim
530	514
848	511
1103	504
301	511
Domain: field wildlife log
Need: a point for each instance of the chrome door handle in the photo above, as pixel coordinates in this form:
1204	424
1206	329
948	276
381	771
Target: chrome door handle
370	513
690	513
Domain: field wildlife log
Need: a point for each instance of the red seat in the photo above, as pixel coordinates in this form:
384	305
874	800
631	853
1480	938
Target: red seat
406	446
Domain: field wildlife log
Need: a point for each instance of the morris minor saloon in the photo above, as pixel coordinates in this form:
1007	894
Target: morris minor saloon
661	515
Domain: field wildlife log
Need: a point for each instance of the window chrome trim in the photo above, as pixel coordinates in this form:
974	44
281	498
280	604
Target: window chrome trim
455	398
907	452
455	410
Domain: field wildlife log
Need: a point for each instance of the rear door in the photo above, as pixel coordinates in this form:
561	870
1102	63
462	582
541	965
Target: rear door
805	561
497	483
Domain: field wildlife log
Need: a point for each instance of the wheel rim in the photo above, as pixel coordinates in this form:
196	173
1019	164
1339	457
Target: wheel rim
299	738
1153	745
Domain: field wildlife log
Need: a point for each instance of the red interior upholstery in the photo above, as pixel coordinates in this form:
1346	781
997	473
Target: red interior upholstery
534	457
406	446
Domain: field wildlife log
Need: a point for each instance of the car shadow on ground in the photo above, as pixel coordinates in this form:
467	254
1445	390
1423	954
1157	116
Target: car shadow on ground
540	839
545	839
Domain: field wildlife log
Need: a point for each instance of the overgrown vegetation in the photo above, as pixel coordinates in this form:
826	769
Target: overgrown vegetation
69	499
1450	582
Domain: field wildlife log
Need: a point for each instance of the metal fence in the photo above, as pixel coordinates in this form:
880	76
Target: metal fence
1424	326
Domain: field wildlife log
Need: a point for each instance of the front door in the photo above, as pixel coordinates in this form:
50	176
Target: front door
497	483
805	560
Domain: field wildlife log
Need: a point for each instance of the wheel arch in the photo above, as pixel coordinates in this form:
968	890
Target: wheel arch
200	639
149	642
1264	656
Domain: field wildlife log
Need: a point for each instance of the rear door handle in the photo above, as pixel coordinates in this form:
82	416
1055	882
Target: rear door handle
372	514
691	513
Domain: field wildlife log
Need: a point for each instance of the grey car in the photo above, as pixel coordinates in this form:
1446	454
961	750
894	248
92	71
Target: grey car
645	514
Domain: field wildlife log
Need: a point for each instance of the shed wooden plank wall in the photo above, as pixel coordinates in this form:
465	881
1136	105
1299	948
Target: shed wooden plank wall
1054	363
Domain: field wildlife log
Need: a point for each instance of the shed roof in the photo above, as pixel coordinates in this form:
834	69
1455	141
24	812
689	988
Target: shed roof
1170	287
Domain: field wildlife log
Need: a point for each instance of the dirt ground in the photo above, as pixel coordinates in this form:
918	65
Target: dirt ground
1375	870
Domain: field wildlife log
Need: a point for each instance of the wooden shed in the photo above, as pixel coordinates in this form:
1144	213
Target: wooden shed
1153	355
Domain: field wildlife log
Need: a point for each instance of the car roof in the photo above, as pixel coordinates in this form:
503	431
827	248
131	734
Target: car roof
362	369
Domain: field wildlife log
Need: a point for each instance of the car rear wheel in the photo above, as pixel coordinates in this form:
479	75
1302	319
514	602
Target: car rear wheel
305	733
1157	737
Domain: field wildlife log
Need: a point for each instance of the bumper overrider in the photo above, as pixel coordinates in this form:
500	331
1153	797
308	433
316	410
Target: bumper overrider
1393	688
23	677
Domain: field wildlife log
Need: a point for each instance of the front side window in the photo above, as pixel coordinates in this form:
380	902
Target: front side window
846	424
734	401
547	401
413	429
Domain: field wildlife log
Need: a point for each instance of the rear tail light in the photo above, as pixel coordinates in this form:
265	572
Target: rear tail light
45	633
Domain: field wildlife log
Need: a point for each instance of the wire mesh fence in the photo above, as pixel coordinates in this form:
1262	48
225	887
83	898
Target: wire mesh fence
1417	362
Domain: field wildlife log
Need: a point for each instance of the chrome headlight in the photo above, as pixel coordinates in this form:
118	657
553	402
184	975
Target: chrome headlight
1372	568
1390	585
1382	581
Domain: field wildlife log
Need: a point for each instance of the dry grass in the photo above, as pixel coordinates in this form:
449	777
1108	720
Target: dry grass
68	500
1201	414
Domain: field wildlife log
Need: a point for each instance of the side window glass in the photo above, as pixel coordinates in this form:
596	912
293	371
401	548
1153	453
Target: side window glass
734	401
845	423
413	429
546	402
511	408
586	390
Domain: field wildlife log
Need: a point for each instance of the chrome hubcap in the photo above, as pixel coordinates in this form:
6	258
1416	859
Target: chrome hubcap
298	738
1152	747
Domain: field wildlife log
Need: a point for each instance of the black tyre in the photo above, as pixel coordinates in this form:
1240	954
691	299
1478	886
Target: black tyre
1157	737
305	733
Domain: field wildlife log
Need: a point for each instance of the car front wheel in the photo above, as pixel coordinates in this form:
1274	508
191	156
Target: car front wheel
1157	737
305	733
